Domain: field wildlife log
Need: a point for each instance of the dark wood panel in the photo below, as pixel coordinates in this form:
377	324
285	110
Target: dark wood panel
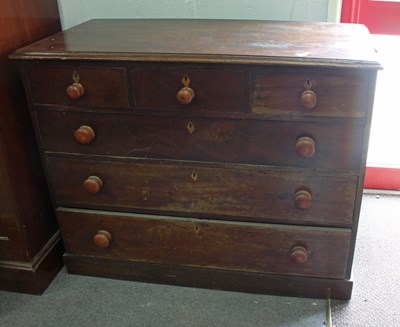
238	281
26	215
338	95
104	87
207	243
337	146
189	190
27	219
34	277
218	88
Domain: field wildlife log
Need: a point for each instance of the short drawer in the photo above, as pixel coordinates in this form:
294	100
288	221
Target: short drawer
308	251
214	89
310	93
103	87
298	144
185	189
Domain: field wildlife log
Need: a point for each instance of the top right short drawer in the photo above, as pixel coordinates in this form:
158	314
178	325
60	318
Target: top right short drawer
315	93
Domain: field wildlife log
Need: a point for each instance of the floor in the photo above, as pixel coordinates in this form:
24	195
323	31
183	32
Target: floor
376	268
83	301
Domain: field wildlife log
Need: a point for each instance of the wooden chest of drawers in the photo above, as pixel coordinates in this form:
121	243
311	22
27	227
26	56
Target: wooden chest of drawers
222	154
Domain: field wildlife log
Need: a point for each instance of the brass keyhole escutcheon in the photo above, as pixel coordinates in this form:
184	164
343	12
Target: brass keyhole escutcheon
308	84
186	94
194	175
190	127
75	77
186	80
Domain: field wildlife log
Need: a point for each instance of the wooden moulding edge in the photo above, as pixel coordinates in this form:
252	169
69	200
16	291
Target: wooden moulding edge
199	277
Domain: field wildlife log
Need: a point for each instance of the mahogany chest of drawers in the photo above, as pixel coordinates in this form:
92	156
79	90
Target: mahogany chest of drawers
221	154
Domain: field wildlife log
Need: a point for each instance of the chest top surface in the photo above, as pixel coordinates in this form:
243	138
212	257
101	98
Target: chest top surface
213	41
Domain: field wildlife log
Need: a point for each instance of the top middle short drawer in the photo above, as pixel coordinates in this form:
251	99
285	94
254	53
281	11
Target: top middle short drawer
78	86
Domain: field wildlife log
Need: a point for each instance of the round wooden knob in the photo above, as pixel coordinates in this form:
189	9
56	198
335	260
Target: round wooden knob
185	95
75	90
102	239
305	147
84	134
93	184
308	99
303	199
299	254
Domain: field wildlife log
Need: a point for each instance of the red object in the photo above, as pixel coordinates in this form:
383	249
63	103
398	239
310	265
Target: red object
381	17
387	178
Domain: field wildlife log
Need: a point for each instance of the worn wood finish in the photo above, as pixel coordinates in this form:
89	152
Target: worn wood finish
278	92
250	139
204	243
191	138
245	193
27	221
239	281
226	41
33	277
103	86
223	88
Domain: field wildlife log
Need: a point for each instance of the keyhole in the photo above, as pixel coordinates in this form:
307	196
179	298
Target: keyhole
308	84
190	127
194	175
185	80
75	77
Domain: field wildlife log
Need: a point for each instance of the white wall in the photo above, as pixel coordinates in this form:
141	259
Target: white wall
74	12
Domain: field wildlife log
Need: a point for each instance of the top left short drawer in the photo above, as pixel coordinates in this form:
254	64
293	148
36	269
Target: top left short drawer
100	87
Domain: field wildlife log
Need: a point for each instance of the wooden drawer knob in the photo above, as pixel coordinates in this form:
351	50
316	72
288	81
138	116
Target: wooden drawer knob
102	239
303	199
84	134
299	254
75	90
93	184
308	99
186	94
305	147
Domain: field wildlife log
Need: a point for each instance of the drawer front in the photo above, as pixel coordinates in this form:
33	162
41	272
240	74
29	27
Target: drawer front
292	94
188	189
213	88
336	146
320	252
104	87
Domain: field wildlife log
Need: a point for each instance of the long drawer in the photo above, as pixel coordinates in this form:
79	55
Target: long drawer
297	144
252	247
246	193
